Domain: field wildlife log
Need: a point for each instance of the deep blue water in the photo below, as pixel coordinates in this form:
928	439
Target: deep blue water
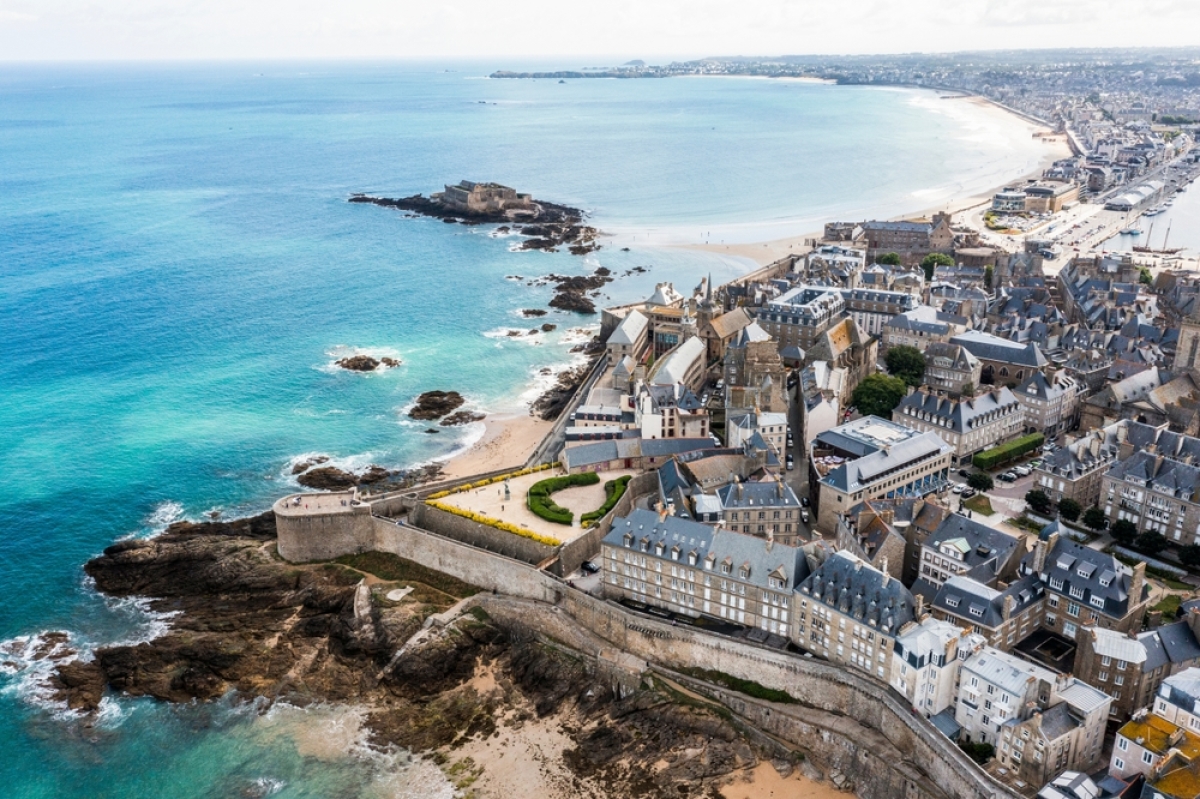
179	268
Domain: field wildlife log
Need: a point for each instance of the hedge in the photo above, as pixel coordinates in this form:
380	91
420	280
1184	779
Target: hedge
499	525
541	467
538	499
1006	452
613	491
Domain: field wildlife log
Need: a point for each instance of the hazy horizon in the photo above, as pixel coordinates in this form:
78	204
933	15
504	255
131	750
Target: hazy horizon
162	30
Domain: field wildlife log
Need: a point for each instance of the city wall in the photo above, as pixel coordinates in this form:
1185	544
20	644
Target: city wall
845	720
308	535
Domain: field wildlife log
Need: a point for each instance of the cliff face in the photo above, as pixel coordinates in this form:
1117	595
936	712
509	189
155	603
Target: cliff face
352	632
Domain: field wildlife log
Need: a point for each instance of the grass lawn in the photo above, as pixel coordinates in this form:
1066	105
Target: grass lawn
979	504
1168	605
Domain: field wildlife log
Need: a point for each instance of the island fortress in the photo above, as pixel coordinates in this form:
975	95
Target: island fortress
470	197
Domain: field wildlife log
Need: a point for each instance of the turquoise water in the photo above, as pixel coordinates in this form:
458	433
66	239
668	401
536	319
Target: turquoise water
179	269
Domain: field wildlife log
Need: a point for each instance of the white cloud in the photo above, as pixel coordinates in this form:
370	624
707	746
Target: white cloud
577	32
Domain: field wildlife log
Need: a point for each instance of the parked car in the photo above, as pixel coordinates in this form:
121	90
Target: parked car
969	492
1023	471
1008	477
958	488
963	473
804	516
589	567
804	502
790	463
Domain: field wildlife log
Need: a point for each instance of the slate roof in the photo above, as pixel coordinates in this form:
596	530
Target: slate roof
1172	643
674	367
1182	689
615	449
1057	721
854	588
1041	387
1073	566
982	606
959	415
922	319
630	329
987	347
762	558
1007	672
987	552
758	494
1170	477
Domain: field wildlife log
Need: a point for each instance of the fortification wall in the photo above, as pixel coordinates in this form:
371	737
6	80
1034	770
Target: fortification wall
480	535
587	546
313	536
467	563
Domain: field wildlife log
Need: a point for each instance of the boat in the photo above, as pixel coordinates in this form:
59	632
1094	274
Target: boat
1131	231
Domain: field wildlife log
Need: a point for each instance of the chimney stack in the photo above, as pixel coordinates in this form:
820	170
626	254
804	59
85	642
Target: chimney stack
1136	583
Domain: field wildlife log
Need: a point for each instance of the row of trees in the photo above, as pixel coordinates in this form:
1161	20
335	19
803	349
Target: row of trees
1123	531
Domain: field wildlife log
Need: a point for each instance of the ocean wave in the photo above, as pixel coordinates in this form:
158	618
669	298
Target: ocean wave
28	664
165	514
347	463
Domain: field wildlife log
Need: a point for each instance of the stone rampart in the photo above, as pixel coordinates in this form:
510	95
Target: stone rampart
323	526
480	535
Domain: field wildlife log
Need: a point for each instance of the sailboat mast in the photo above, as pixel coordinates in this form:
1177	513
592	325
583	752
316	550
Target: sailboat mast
1166	237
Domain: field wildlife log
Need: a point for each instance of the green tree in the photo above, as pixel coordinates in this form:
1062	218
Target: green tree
906	363
1145	277
968	389
878	395
1151	542
1069	509
1124	532
981	481
1190	555
932	261
989	274
1039	501
1094	518
889	259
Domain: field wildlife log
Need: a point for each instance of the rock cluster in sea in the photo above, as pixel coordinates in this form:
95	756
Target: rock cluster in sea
365	363
436	404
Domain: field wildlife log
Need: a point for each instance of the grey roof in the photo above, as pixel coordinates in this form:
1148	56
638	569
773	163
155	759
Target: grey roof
630	329
908	227
922	319
751	495
866	435
864	471
1057	721
946	724
711	546
958	356
1170	477
854	588
987	347
1172	643
673	368
982	606
1064	563
1041	387
959	415
987	551
1007	672
601	451
1183	689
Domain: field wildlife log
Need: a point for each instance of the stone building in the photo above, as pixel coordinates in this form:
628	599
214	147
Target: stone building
926	660
871	308
470	197
767	509
994	688
845	346
1066	735
870	458
849	613
1076	470
875	532
1085	586
669	411
969	425
1051	403
630	338
694	569
951	368
754	373
1156	493
1004	362
1131	669
797	317
963	547
920	328
1146	745
911	240
1003	616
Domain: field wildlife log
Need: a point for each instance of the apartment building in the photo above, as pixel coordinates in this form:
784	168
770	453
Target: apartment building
1132	669
920	328
926	661
964	547
796	317
1003	616
969	425
850	613
1066	735
768	509
1051	403
1156	493
951	368
872	308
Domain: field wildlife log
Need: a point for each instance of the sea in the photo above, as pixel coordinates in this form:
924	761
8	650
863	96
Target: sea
180	269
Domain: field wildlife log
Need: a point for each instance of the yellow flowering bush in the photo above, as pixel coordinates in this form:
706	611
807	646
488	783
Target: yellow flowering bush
497	523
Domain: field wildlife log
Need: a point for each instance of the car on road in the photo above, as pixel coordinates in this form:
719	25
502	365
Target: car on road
589	567
804	516
804	502
791	463
958	488
963	473
968	493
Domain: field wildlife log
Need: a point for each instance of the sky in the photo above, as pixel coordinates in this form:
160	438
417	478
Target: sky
573	33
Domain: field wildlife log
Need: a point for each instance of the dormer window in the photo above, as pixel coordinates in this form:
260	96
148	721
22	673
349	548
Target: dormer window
1098	601
691	558
675	550
744	572
658	548
628	539
1077	592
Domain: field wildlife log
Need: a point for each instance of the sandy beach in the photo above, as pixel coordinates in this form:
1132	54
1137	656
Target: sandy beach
507	441
765	252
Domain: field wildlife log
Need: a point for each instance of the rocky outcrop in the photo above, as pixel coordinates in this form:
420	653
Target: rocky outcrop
365	363
547	226
548	327
528	312
436	404
553	401
331	478
462	417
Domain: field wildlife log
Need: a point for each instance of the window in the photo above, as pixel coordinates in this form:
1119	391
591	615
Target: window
1123	744
1073	607
1119	763
1106	661
1147	758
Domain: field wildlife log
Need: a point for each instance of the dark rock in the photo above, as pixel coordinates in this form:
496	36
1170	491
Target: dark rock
548	326
432	430
527	312
359	363
553	401
624	249
513	333
373	474
391	363
573	301
462	417
603	271
327	478
308	464
81	685
436	404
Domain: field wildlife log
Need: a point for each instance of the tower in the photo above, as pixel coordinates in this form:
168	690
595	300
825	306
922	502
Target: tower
1187	352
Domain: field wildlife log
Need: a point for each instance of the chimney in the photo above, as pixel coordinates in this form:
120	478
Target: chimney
883	567
662	513
1136	583
741	490
1040	549
770	539
1193	620
918	607
1010	602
